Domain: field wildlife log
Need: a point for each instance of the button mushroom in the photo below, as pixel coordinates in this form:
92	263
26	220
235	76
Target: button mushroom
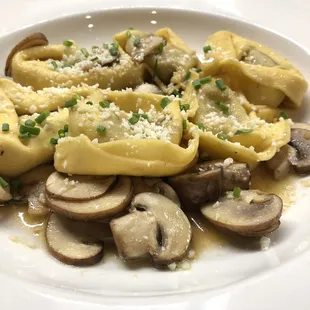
300	141
155	226
76	187
254	214
281	163
74	243
111	203
207	181
255	57
35	39
140	46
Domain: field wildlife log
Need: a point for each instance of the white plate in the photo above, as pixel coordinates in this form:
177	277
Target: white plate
223	278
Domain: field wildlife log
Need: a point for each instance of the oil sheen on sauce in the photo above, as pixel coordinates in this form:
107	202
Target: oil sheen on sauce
204	234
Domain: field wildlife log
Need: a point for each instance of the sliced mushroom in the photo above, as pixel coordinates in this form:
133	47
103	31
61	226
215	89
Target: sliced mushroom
255	57
147	88
40	173
78	187
35	39
113	202
155	185
280	164
300	141
5	194
72	242
139	47
155	226
254	214
36	200
208	180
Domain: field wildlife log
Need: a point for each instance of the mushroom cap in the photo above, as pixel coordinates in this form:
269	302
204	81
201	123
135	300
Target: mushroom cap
72	242
255	213
165	232
300	141
78	187
34	39
111	203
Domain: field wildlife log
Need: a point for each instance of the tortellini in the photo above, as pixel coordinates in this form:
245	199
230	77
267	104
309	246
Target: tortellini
262	75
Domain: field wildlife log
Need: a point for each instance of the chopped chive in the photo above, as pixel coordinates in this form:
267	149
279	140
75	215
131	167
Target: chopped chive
284	115
223	107
115	44
66	128
133	120
94	58
184	107
236	192
101	129
30	122
96	47
77	97
105	104
205	80
138	115
89	102
242	131
222	136
187	75
201	127
53	141
67	65
128	34
105	46
113	51
67	43
177	93
54	64
207	48
3	183
155	69
131	28
70	103
198	70
5	127
24	136
137	42
164	102
16	185
196	84
160	48
42	117
84	52
220	84
28	129
61	133
184	124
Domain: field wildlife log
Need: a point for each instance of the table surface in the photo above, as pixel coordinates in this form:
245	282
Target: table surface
288	17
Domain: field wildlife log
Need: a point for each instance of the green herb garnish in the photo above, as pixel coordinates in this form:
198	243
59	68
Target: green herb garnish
160	48
201	126
66	128
137	42
205	80
196	84
284	115
30	122
3	183
223	107
207	48
101	129
28	129
220	84
53	141
184	124
24	136
133	120
243	131
54	64
222	136
187	75
84	52
61	133
105	104
67	43
94	58
128	34
5	127
42	117
164	102
70	103
236	192
177	93
184	107
89	103
198	70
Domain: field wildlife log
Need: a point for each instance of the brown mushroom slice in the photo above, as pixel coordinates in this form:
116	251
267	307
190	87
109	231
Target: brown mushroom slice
300	141
40	173
36	200
5	194
139	47
34	39
72	242
78	187
111	203
255	213
255	57
167	191
163	222
280	164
